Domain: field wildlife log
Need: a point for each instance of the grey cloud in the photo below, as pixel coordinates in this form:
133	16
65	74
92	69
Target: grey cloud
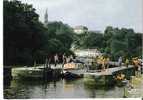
95	14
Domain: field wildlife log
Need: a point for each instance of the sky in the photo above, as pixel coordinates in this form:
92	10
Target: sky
95	14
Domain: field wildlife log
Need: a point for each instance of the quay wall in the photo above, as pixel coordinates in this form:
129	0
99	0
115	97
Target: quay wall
107	78
36	73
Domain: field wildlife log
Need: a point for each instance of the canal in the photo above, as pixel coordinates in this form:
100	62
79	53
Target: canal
61	88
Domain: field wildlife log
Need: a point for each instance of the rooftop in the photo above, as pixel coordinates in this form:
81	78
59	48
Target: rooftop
81	27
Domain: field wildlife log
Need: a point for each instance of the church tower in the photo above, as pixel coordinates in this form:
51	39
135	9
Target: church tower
46	18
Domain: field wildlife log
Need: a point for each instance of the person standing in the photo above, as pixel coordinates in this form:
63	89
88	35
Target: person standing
56	59
107	62
136	66
127	62
64	59
120	61
103	64
71	58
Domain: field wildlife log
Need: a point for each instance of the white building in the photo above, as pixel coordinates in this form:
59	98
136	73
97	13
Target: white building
80	29
87	53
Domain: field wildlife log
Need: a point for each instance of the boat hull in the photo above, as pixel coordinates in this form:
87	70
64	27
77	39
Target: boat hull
73	74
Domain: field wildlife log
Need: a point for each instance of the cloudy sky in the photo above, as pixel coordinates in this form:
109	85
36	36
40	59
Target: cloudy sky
95	14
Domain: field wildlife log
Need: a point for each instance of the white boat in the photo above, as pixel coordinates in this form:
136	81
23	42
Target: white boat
73	70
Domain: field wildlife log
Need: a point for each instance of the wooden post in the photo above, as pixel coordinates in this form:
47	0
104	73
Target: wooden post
125	93
35	64
45	70
46	63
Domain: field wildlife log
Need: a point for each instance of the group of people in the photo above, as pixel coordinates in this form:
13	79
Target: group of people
103	61
136	62
137	65
120	76
65	59
120	61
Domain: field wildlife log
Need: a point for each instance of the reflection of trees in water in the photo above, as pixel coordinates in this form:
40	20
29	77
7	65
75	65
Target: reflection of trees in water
55	85
90	90
95	91
17	90
25	88
48	84
92	93
58	88
68	85
45	85
7	83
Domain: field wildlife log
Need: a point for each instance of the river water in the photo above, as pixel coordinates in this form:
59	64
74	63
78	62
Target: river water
61	88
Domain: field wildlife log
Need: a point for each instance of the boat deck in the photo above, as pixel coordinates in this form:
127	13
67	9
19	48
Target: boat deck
108	71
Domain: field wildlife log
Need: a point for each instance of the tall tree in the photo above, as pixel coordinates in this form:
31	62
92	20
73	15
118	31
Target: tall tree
22	32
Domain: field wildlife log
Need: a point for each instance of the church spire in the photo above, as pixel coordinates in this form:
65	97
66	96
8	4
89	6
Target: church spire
46	18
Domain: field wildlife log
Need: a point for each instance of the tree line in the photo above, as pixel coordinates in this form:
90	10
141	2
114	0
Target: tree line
113	42
26	39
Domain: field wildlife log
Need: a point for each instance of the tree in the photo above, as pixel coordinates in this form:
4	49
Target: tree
22	33
122	42
93	40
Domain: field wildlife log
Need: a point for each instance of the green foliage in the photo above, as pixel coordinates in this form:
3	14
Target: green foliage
60	37
27	40
21	32
89	40
123	42
114	42
80	40
96	42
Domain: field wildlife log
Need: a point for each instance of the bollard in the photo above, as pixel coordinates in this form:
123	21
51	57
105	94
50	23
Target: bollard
125	93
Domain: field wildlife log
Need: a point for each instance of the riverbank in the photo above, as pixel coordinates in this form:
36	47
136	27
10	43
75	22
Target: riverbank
38	72
136	89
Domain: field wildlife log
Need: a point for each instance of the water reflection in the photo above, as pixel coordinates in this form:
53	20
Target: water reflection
58	89
68	86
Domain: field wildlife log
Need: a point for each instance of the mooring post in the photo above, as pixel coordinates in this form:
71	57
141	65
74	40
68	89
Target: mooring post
35	64
63	67
45	69
125	93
